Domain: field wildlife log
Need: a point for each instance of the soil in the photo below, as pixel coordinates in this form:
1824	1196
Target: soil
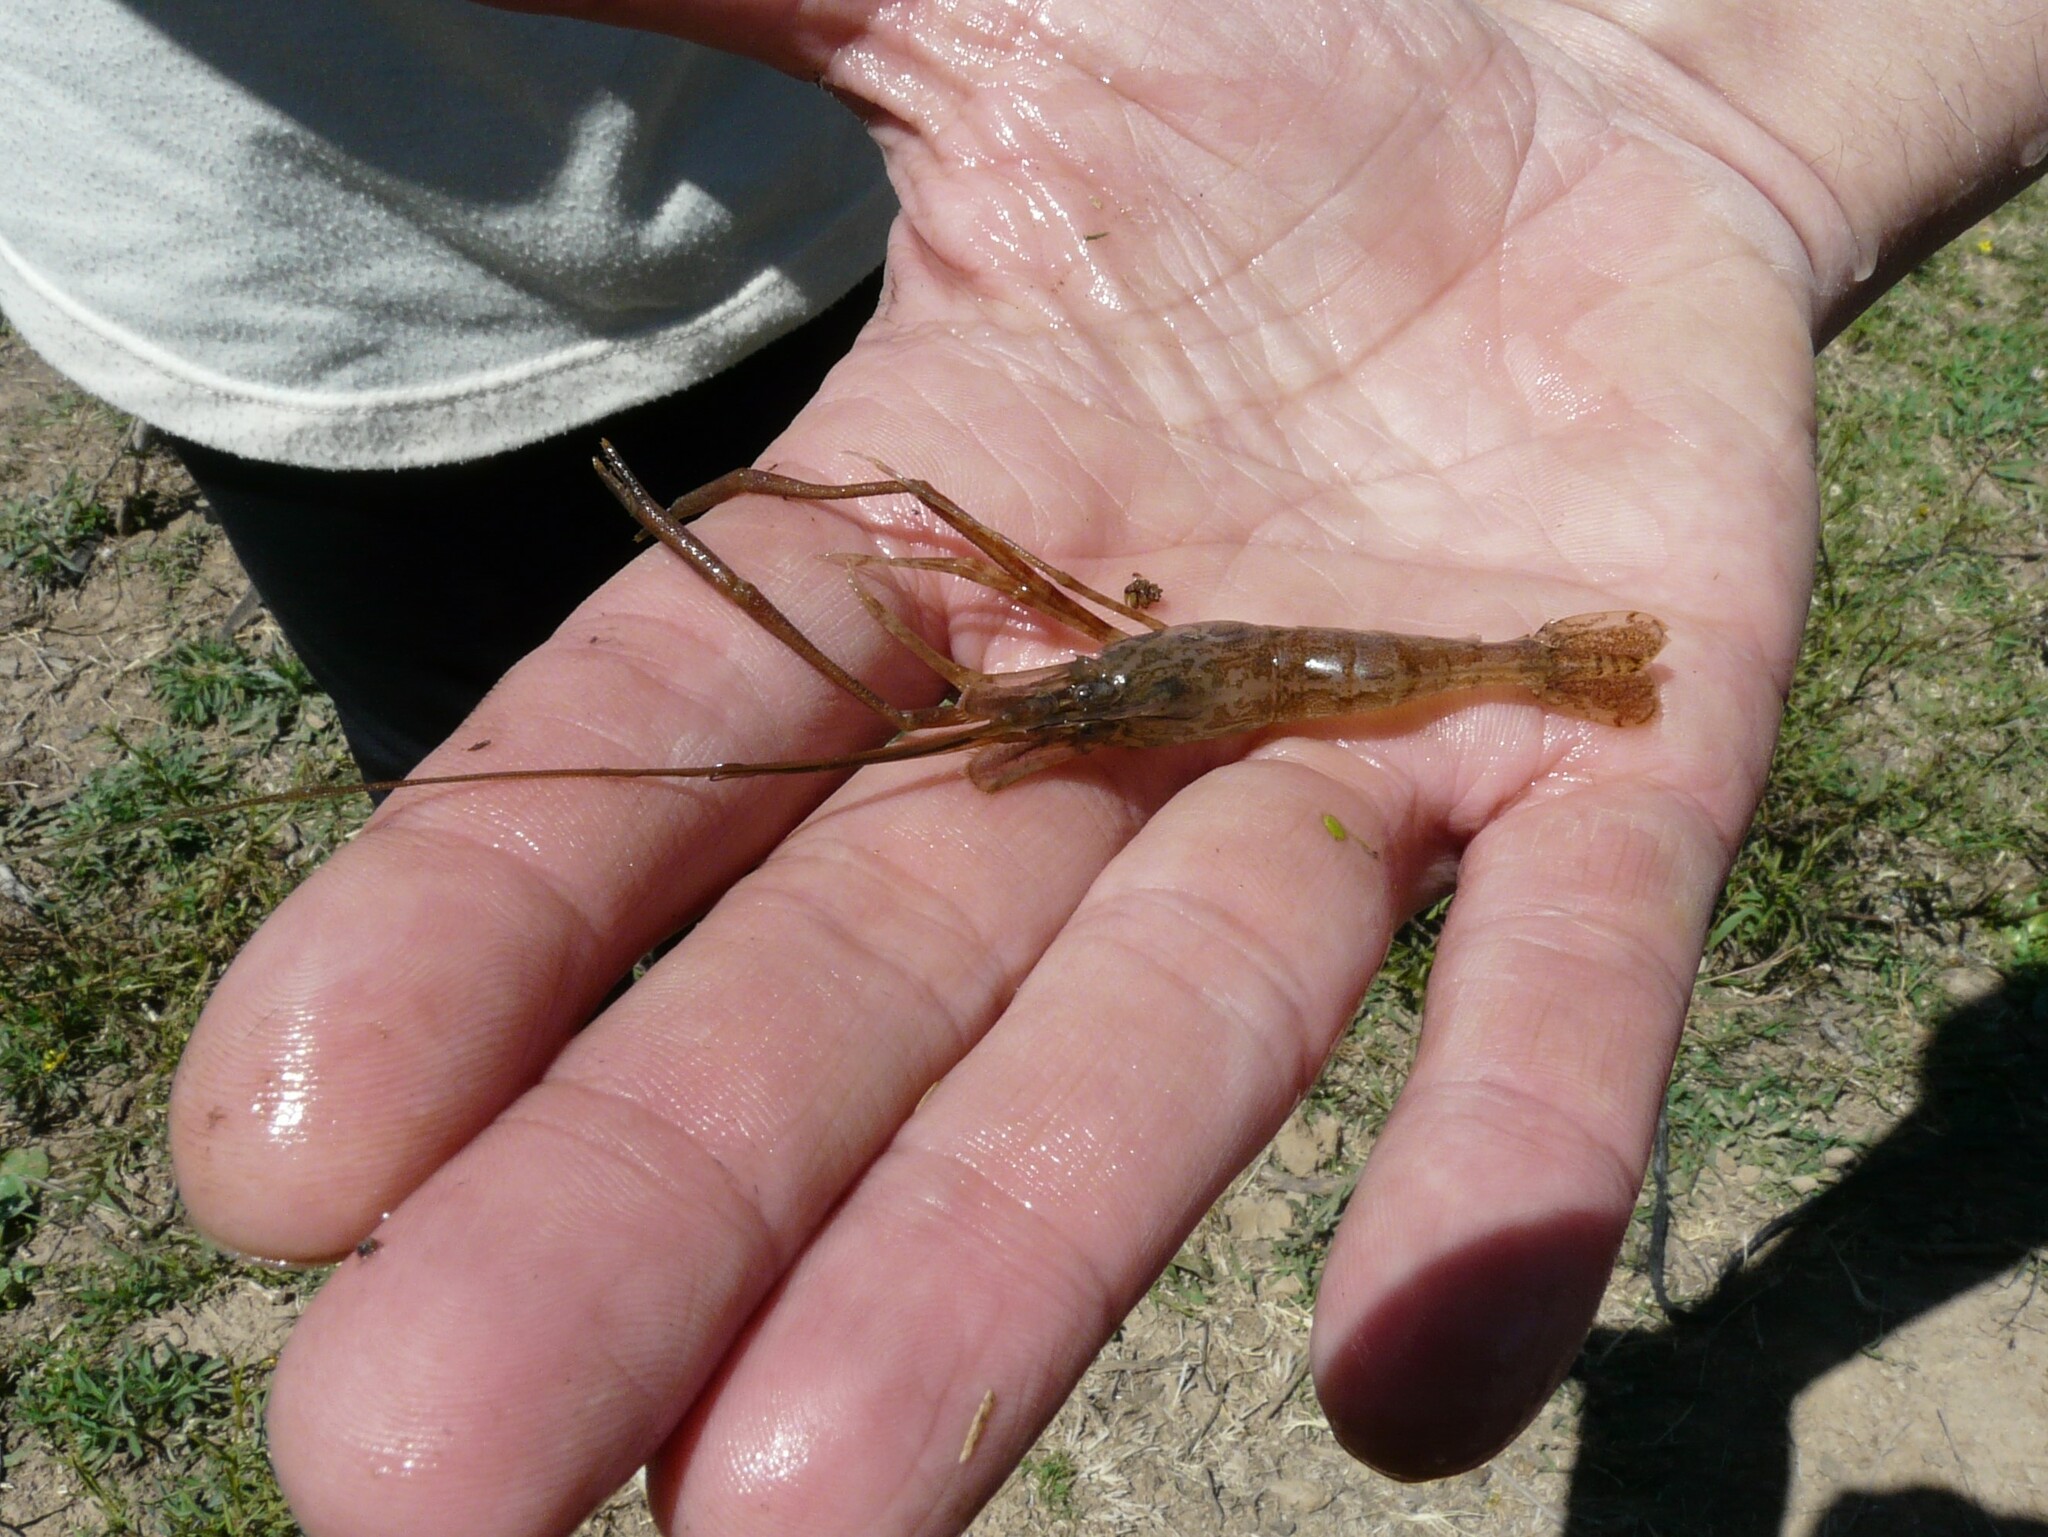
1881	1367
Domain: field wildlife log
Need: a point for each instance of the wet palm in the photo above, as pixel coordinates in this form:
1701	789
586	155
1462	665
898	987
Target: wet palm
1314	316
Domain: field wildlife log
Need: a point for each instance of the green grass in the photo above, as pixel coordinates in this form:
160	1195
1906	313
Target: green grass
23	1173
128	1404
1052	1478
137	911
135	915
166	1440
210	682
1903	833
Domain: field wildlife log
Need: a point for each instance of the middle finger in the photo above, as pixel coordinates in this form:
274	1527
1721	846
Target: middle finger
1178	1017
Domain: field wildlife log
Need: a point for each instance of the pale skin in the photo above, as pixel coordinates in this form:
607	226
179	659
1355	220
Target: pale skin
1390	315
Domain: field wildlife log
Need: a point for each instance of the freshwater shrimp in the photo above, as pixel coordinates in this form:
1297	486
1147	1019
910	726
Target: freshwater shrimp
1155	685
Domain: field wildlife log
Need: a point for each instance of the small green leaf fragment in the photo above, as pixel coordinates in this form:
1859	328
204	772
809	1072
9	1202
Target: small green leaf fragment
1334	827
22	1171
29	1162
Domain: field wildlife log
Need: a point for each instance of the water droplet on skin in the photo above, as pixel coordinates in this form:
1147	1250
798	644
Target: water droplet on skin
780	1451
282	1102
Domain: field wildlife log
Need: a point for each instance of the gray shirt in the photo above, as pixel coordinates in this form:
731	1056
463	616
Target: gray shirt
382	233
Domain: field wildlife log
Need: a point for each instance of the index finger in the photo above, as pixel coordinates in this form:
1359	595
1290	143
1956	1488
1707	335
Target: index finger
426	976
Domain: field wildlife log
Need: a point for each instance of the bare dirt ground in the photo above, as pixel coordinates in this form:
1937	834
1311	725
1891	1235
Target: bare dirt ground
1882	1367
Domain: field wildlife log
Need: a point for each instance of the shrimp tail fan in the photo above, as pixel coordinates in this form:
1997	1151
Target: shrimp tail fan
1594	666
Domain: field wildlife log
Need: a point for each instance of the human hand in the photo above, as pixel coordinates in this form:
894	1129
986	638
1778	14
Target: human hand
1381	316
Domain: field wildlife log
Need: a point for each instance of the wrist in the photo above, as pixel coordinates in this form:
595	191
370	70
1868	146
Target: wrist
1877	128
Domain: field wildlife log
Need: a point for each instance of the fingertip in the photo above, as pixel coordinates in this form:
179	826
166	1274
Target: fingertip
1447	1366
342	1058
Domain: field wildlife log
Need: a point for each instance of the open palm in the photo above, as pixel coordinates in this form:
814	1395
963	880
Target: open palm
1313	313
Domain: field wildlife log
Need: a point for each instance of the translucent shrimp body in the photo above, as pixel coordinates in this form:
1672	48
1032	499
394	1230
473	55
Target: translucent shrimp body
1219	678
1152	685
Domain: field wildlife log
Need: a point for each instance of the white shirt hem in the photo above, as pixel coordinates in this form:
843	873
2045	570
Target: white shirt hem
458	419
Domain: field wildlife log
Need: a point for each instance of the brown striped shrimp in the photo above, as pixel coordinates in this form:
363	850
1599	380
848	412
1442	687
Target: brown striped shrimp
1148	685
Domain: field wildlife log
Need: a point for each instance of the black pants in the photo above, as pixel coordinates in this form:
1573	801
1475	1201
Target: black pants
408	593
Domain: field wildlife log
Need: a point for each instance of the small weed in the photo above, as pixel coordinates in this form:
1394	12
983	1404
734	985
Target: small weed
48	541
129	1405
1184	1288
1731	1087
1307	1244
215	682
54	1034
1404	975
141	912
115	826
227	1490
1052	1478
128	1286
201	1469
2023	930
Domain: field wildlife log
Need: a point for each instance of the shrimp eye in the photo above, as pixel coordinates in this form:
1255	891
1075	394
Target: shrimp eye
1093	693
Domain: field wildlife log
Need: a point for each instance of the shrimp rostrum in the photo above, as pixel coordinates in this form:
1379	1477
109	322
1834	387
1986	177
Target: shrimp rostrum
1151	685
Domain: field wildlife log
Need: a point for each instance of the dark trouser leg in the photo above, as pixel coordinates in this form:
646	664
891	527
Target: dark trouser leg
410	592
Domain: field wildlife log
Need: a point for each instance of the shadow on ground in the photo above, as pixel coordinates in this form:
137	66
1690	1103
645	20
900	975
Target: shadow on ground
1687	1428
